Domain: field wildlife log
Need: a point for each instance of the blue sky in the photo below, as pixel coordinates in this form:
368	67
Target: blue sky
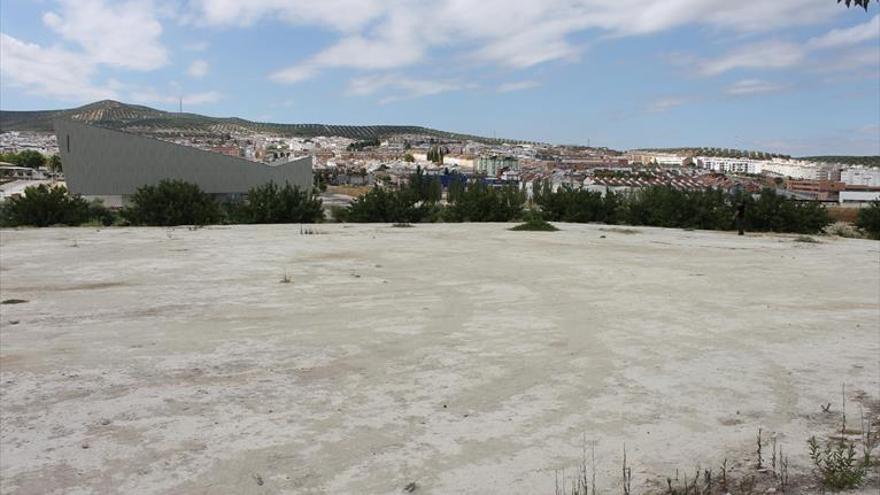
794	76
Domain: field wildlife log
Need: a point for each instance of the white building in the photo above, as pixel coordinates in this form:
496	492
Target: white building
858	176
796	169
671	160
858	196
730	165
458	161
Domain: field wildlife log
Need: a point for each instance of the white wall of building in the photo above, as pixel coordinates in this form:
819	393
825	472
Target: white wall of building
858	196
733	165
861	176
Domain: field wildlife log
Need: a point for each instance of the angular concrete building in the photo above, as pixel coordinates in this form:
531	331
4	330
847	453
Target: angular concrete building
112	165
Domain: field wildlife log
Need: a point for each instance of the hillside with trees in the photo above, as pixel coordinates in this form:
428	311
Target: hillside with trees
145	120
864	161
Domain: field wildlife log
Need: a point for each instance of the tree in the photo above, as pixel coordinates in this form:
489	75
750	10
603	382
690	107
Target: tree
29	158
869	220
387	206
858	3
772	212
55	164
409	158
478	202
576	205
435	154
319	182
171	202
424	188
668	207
42	206
269	203
360	145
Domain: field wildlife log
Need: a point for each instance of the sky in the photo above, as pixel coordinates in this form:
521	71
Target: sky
797	76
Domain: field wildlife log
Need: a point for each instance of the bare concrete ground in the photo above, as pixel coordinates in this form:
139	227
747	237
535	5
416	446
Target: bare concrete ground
464	358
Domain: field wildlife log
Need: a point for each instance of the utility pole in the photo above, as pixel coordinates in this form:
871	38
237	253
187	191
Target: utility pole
180	108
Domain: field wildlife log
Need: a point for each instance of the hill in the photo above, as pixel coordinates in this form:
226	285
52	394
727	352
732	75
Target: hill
142	119
708	151
865	161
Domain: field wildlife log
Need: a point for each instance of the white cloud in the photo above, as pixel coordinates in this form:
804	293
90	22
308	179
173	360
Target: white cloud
848	36
753	86
774	54
381	35
512	33
849	60
198	68
530	47
343	15
122	35
355	52
761	55
517	86
52	72
402	87
295	74
150	95
667	103
119	35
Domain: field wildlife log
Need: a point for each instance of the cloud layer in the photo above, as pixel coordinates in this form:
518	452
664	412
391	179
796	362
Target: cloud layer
517	34
380	44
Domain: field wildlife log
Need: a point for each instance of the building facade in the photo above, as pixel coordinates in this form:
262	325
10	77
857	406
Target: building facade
730	165
111	164
492	165
861	176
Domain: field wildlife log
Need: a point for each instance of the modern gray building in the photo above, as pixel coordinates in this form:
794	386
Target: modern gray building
112	165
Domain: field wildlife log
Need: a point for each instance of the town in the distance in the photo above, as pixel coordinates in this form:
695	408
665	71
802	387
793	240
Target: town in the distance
349	160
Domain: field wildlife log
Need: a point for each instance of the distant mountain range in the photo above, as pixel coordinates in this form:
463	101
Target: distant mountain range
142	119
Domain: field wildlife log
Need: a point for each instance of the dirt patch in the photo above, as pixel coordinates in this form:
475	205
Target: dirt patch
838	214
620	230
68	288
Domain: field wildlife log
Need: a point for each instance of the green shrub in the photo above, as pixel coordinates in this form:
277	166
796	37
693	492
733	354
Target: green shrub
387	206
424	188
413	203
771	212
535	223
575	205
272	204
837	464
100	213
338	213
479	202
43	205
171	202
668	207
869	220
25	158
